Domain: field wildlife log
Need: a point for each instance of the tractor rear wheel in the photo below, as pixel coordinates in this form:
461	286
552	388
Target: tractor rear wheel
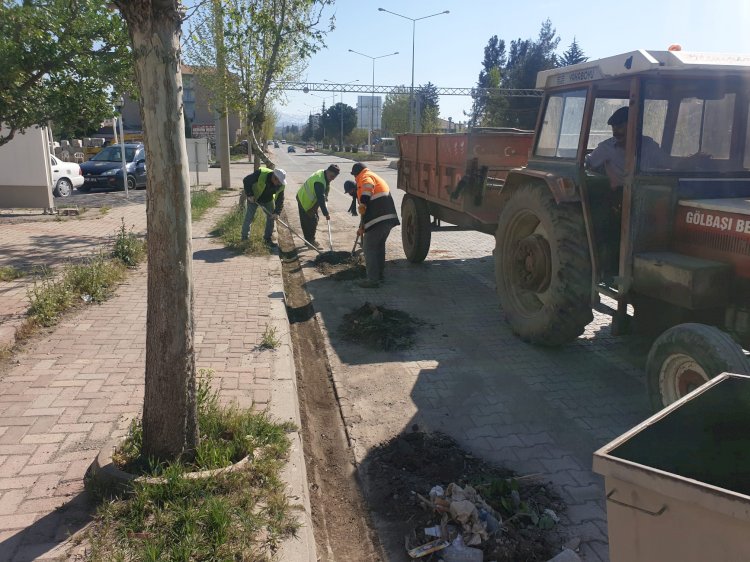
686	356
542	267
415	228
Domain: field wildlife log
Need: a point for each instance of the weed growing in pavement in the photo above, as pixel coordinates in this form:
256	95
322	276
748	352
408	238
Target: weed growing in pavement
240	515
104	210
229	229
95	278
91	280
128	247
9	273
270	339
201	201
48	298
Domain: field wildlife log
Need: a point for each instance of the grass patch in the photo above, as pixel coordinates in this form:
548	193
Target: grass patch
91	280
104	210
242	515
229	229
9	273
201	201
270	338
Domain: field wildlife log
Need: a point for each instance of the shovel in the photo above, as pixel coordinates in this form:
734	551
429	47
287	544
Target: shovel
330	239
357	239
291	230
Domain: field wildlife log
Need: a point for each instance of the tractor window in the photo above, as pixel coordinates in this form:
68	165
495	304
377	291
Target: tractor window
688	126
603	110
561	127
704	126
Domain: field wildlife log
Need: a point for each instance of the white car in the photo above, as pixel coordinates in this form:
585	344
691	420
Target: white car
65	176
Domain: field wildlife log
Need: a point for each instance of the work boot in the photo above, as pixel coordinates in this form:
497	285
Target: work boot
369	284
316	244
270	243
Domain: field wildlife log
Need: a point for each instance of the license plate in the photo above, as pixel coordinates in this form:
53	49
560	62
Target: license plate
89	180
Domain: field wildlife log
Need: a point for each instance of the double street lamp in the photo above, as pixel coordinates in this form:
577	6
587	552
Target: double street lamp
372	99
412	112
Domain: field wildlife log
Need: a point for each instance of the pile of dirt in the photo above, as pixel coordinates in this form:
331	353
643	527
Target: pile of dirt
341	266
400	474
379	327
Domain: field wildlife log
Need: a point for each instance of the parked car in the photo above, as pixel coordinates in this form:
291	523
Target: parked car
105	169
276	145
65	176
291	148
309	148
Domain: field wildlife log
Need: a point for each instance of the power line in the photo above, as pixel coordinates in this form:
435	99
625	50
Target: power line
369	89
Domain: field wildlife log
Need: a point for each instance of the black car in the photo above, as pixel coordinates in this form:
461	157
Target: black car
104	170
291	148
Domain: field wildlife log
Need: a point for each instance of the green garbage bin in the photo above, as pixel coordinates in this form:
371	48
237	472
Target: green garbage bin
678	484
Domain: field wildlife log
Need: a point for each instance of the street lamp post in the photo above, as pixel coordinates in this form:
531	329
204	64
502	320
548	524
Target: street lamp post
119	104
324	98
412	111
372	99
341	114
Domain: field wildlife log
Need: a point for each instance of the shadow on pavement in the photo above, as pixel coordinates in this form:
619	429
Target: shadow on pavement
47	533
214	255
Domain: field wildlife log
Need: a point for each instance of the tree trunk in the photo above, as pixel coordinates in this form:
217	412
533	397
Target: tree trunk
170	427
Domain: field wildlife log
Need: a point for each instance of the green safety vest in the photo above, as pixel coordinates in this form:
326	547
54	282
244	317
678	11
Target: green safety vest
260	186
306	193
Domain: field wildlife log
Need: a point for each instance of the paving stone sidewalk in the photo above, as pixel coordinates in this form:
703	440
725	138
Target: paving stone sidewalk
80	386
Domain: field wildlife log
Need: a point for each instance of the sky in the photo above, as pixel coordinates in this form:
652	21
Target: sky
449	48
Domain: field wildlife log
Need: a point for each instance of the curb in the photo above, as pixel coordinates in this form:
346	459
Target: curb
284	406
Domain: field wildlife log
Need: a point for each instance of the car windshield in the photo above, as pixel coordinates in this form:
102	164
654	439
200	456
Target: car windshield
697	126
113	154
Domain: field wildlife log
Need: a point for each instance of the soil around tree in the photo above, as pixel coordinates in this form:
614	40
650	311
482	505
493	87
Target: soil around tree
414	462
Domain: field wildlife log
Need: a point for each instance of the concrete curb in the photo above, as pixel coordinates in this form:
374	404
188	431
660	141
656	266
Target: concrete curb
284	406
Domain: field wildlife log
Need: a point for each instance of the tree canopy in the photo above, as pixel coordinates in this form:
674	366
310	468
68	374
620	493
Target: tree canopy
62	61
574	55
516	69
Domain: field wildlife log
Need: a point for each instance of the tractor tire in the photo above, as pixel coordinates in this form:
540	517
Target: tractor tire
415	228
543	267
686	356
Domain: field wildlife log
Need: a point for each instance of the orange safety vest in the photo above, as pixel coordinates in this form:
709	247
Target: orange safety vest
380	207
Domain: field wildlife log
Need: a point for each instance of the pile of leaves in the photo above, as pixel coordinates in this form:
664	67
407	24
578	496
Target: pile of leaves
401	473
380	328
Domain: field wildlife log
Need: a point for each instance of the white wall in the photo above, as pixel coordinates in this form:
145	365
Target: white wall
25	174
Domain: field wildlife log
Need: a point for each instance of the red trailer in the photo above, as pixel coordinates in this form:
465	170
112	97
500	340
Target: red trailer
455	178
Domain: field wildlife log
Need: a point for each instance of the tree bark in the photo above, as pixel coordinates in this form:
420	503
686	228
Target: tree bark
170	426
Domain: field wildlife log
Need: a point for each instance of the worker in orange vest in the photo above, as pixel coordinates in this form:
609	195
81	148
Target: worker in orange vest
378	212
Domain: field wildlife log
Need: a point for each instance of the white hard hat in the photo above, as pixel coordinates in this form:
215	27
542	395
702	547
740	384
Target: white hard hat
280	175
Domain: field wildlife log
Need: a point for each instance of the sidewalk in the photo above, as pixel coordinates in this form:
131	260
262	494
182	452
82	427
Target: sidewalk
79	386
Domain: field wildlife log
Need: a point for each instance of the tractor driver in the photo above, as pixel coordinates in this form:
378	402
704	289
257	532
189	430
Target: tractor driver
609	156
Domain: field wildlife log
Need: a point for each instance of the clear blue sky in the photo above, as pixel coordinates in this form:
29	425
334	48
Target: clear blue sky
449	48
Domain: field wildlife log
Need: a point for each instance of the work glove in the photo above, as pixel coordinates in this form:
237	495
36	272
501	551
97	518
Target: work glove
361	231
362	209
250	199
274	217
328	217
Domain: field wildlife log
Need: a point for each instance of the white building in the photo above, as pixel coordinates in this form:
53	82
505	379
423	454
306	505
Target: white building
369	110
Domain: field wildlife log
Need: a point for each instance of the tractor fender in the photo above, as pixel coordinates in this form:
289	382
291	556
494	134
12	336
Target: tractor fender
563	189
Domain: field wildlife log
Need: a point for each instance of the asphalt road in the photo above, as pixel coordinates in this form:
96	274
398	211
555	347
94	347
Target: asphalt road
534	410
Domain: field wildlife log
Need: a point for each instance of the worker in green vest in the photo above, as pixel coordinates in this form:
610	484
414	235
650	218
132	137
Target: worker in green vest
313	195
264	187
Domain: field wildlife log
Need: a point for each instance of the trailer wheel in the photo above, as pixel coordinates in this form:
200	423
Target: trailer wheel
415	228
542	267
686	356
